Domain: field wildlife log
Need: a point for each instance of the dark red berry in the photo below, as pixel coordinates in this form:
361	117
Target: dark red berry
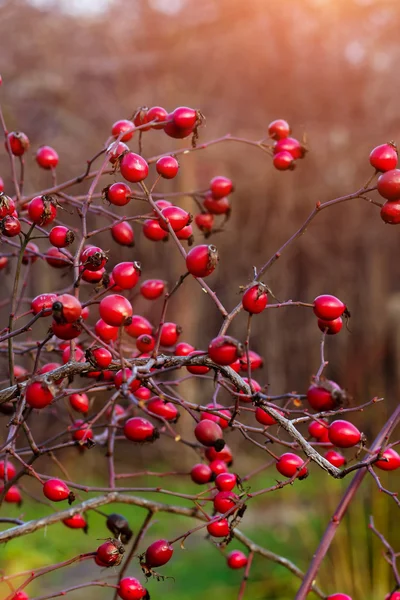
158	553
10	226
138	429
320	398
389	185
110	553
209	433
390	212
328	307
279	129
201	473
330	327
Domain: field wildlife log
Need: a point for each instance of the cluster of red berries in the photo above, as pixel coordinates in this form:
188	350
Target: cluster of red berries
286	149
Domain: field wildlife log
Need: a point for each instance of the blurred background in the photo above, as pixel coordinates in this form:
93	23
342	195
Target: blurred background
330	67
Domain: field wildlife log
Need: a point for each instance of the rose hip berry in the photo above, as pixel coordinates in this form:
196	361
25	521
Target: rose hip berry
79	402
279	129
76	522
389	185
339	597
283	161
130	588
236	559
175	216
38	396
220	187
330	327
224	350
291	145
167	167
225	482
110	553
390	460
264	418
122	233
42	210
219	528
321	399
126	274
99	357
225	500
343	434
13	495
145	343
151	289
202	260
328	307
115	310
216	207
118	193
288	465
384	157
166	410
209	433
57	491
138	429
8	470
43	302
139	325
61	236
201	473
66	309
335	458
19	143
158	554
390	212
204	222
123	126
47	157
255	299
134	167
153	231
170	333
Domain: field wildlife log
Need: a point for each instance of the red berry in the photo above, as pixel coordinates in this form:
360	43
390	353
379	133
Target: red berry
145	343
216	207
209	433
390	460
290	145
61	236
236	559
225	482
66	331
13	495
158	553
255	299
218	466
56	490
138	326
151	289
81	431
153	231
115	310
126	375
264	418
38	396
256	388
133	167
220	187
10	226
47	157
78	355
225	500
1	184
279	129
183	349
118	193
223	423
201	473
19	143
224	350
92	276
21	595
219	528
143	393
57	259
321	399
202	260
175	216
110	553
126	274
328	307
339	597
9	469
175	132
79	402
3	262
197	369
107	333
204	222
31	254
66	308
384	157
156	113
100	357
319	430
93	258
123	126
186	233
167	167
138	429
330	327
42	210
76	522
283	161
336	459
115	151
224	455
394	596
130	588
256	361
390	212
122	233
140	118
166	410
288	465
184	117
43	301
170	333
343	434
389	184
7	206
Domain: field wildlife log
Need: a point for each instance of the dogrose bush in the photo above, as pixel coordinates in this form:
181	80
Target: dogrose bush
103	396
